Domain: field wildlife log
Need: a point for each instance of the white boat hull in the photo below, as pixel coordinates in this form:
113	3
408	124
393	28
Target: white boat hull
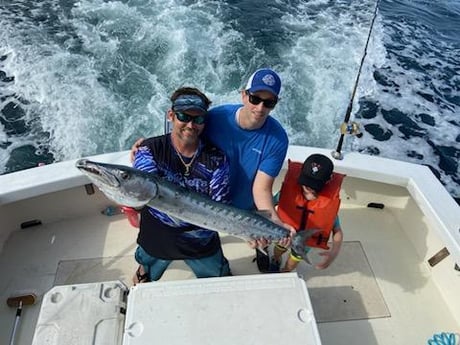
419	219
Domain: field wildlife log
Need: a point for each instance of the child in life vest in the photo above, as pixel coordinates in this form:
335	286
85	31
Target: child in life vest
309	199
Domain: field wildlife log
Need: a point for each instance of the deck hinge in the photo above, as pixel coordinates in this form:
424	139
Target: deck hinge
438	257
124	302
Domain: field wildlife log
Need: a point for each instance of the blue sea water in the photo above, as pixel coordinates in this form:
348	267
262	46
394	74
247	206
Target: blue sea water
91	76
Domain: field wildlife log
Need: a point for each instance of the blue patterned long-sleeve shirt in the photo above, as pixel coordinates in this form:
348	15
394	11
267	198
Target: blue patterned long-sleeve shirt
167	237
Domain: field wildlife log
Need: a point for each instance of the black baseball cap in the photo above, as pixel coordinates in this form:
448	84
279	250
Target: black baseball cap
316	171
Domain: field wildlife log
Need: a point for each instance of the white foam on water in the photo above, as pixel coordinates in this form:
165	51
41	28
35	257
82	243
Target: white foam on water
425	72
111	80
162	45
321	69
107	77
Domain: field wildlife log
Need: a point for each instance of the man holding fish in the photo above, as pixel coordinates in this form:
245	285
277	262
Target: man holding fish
184	158
254	142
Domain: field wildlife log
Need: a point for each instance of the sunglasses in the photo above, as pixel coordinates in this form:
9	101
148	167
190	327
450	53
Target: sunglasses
268	103
197	120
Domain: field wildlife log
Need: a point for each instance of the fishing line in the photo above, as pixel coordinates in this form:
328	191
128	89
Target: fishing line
346	127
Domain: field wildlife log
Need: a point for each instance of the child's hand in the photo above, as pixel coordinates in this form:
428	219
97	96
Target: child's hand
328	259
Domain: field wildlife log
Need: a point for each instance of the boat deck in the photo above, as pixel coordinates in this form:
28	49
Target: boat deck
378	291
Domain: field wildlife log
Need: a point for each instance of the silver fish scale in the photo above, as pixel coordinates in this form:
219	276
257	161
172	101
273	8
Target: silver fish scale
196	209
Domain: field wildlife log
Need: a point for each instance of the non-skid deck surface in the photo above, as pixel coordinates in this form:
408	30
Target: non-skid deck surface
346	290
123	267
96	270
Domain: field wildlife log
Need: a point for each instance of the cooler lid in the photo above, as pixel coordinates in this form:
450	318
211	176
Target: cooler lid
256	309
82	314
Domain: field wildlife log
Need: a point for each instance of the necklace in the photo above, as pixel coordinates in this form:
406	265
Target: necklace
189	164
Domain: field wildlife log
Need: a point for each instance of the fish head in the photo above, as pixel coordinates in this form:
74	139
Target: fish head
121	184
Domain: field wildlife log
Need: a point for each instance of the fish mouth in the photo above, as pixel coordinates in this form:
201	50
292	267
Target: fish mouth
97	172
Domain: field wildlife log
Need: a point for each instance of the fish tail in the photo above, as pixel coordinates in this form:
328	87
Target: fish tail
299	243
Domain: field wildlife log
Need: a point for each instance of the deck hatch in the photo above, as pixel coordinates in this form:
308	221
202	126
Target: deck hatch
248	309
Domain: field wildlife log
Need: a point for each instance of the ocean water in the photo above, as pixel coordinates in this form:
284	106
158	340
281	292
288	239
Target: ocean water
85	77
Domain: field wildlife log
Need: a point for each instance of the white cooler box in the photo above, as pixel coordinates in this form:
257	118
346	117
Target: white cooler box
257	309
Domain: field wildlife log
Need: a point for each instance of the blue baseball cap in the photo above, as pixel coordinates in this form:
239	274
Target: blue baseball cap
189	102
264	79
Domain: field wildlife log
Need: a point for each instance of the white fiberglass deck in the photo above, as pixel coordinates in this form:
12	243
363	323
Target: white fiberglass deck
416	309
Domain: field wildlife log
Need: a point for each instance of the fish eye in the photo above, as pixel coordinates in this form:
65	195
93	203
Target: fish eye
124	175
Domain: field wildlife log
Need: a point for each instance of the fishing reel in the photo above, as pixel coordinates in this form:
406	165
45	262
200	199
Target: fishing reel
351	128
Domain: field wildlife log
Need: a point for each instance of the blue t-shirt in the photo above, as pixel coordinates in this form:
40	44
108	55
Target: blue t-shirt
248	151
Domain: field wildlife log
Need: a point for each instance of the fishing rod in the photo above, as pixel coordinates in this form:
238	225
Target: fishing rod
348	127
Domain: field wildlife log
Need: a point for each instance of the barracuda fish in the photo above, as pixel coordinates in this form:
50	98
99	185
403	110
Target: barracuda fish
135	188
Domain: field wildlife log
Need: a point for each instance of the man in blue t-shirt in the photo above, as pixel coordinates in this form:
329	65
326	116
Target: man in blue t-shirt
256	145
254	142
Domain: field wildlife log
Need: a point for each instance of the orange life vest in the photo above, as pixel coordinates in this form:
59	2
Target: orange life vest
302	214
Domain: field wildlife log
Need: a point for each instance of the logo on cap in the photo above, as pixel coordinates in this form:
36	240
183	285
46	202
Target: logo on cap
268	79
315	167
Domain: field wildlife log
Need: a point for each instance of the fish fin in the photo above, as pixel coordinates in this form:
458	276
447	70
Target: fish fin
299	243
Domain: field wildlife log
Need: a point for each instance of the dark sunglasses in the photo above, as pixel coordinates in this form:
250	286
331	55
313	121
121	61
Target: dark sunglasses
197	120
268	103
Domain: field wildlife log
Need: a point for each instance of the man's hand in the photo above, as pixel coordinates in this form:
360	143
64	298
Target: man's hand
134	149
284	242
259	243
287	241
